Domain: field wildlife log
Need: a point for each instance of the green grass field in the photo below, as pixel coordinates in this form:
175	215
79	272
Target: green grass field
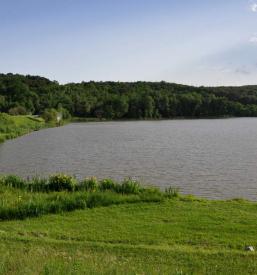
171	235
14	126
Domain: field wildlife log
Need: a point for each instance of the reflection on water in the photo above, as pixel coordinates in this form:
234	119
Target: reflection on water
210	158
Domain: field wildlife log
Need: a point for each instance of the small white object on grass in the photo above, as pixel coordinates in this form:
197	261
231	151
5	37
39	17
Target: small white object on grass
249	248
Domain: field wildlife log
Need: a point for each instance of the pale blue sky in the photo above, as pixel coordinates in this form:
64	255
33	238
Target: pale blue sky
199	42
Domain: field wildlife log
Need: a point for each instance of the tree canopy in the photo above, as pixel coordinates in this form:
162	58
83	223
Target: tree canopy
117	100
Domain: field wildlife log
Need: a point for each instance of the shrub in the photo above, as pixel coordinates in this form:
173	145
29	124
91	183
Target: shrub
89	184
19	110
108	184
65	113
50	115
62	182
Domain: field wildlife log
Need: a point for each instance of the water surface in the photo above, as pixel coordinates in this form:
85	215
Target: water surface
209	158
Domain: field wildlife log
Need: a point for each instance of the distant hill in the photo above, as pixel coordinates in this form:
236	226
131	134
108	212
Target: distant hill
124	100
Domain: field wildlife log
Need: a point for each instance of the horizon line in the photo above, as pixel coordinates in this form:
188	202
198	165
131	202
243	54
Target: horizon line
131	81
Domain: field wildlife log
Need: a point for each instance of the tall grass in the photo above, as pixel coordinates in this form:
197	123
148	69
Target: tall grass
22	198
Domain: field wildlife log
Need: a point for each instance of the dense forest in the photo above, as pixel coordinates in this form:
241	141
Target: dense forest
116	100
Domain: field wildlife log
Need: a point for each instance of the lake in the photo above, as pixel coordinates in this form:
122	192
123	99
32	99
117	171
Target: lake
214	158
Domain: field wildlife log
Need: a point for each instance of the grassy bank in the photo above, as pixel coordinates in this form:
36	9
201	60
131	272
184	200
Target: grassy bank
14	126
122	228
35	197
171	237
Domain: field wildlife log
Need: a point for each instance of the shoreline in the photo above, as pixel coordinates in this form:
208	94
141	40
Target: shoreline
41	124
17	126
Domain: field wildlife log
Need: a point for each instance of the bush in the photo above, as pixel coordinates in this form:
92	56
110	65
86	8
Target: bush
108	184
89	184
62	182
65	113
19	110
50	115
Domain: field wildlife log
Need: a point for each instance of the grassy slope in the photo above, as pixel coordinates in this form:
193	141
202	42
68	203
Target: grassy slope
13	126
173	237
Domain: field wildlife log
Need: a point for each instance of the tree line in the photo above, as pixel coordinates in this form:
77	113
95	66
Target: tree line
21	94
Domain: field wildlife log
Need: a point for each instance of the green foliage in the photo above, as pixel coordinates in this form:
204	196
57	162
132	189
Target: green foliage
108	184
117	100
13	181
38	205
19	110
22	198
64	113
88	184
2	138
50	115
129	186
62	182
109	198
151	194
37	184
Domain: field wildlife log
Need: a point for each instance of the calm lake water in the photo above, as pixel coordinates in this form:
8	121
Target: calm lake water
209	158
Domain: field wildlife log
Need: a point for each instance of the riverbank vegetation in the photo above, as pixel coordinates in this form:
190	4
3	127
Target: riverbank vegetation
121	228
22	198
116	100
14	126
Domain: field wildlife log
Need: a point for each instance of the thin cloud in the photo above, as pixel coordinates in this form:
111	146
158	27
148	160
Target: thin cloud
253	6
253	39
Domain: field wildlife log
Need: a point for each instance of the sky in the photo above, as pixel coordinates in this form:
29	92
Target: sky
194	42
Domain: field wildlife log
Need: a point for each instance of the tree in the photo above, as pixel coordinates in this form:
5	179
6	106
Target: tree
120	106
148	107
124	100
2	103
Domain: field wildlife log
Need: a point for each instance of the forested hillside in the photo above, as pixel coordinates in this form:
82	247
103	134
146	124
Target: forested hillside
116	100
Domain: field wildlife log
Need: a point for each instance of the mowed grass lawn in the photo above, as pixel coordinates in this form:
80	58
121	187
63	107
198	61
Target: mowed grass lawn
177	236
